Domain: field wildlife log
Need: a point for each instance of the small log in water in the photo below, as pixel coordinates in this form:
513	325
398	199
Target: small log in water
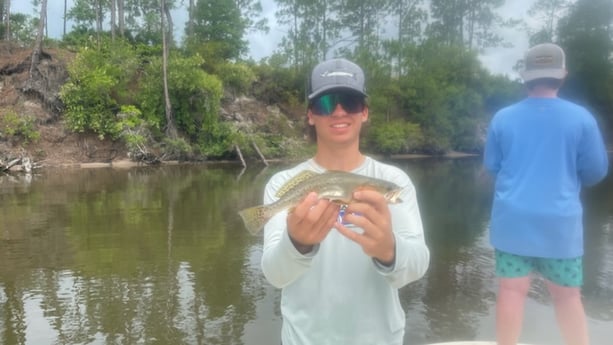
257	149
11	164
240	155
24	164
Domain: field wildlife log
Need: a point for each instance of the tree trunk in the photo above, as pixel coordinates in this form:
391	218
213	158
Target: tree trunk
121	17
190	19
7	10
171	130
99	21
38	45
169	38
65	8
113	18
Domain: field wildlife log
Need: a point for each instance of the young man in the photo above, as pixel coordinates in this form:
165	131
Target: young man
340	282
542	150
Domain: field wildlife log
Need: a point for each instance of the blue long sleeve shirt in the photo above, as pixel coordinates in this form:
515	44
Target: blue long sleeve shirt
542	151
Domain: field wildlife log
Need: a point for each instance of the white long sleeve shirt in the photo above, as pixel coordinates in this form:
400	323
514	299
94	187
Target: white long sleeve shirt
337	294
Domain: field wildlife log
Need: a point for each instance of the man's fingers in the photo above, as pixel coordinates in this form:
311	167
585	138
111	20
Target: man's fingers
312	219
354	236
368	198
302	209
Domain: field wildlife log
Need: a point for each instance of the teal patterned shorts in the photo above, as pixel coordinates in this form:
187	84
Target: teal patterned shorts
563	272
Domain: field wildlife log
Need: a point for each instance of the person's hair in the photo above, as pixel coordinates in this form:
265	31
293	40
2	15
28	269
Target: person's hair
551	83
311	133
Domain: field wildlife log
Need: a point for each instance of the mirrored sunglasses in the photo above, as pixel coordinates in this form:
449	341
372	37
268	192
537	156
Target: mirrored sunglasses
324	105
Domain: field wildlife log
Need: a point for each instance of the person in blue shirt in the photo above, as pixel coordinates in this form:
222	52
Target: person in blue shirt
542	151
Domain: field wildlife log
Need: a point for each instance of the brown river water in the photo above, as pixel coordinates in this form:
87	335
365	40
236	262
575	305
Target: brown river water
158	255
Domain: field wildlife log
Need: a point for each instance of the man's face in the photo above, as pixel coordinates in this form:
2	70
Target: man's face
337	116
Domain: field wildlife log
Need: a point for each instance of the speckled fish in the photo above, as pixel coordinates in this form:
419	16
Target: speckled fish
337	186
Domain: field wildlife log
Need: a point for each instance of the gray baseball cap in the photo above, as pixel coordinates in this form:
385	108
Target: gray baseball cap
336	74
545	60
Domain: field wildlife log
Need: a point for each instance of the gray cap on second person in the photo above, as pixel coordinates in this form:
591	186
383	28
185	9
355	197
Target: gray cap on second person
336	74
545	60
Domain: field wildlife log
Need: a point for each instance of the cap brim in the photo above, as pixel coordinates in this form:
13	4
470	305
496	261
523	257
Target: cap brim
543	73
335	87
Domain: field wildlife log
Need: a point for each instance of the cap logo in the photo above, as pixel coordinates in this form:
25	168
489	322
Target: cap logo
337	74
543	59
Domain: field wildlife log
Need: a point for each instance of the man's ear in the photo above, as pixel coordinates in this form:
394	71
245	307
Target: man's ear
310	118
365	114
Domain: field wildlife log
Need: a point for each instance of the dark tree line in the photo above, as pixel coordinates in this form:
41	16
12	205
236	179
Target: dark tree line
428	90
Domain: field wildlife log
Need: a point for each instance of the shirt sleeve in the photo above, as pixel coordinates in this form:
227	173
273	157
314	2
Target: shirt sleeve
412	254
492	154
593	161
281	262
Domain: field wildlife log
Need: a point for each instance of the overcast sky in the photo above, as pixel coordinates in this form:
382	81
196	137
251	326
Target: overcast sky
499	60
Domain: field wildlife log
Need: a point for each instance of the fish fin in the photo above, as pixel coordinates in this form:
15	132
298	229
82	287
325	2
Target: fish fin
294	181
255	218
393	196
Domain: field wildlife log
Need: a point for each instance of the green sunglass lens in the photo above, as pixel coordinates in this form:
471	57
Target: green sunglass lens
325	104
351	103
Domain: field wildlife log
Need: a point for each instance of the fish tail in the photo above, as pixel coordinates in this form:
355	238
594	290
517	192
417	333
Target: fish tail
255	218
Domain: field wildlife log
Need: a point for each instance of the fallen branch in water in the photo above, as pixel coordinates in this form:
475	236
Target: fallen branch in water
23	164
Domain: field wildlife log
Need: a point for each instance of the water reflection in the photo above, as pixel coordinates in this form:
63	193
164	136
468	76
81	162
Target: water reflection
159	256
455	201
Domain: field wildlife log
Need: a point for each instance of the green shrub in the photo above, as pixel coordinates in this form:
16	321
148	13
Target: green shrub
217	141
238	78
394	137
279	84
13	126
133	130
99	83
89	105
176	148
195	96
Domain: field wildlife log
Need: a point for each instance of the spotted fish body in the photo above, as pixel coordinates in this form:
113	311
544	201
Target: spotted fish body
337	186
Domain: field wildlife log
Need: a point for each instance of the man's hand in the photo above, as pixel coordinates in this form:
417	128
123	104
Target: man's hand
311	221
370	212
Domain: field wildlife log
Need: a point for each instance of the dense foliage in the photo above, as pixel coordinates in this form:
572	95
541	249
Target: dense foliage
428	91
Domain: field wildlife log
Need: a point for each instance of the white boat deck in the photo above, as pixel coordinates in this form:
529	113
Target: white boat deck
469	343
